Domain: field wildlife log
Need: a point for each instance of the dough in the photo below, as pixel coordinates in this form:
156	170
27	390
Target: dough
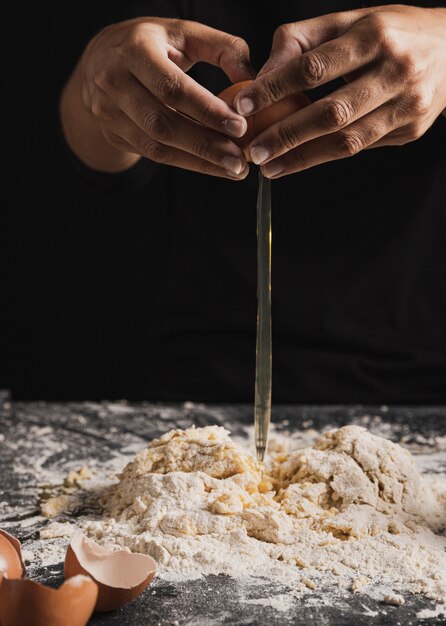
352	504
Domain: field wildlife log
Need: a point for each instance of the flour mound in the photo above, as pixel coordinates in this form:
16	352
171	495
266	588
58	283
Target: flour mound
352	506
209	450
353	472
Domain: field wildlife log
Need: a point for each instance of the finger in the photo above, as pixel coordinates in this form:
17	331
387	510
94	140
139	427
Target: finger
294	39
125	134
406	128
314	68
173	129
345	143
218	48
402	136
323	117
153	68
285	47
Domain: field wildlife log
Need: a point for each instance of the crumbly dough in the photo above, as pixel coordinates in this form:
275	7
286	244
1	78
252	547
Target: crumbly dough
352	505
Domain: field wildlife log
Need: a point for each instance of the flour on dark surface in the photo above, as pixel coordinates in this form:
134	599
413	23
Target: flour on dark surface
41	444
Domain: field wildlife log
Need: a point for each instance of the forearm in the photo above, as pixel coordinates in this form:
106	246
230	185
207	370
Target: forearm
84	135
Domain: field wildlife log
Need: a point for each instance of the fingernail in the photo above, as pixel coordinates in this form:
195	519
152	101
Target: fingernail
243	174
272	169
233	165
245	106
259	154
235	128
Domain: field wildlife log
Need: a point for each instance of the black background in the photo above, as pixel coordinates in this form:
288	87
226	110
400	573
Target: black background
93	305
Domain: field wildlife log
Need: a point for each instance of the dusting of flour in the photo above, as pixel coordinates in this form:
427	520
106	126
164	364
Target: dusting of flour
350	510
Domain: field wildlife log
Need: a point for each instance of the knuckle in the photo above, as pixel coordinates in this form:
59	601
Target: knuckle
100	109
288	137
169	88
240	50
405	67
176	23
414	131
313	68
396	114
401	68
349	143
206	167
130	49
378	30
239	45
105	79
337	114
300	160
157	125
271	89
154	151
282	32
207	113
202	147
419	102
367	46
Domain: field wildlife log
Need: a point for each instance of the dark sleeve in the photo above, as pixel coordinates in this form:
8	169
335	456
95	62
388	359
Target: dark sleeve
73	29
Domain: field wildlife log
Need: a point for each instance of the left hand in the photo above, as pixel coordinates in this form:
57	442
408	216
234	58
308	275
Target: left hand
393	59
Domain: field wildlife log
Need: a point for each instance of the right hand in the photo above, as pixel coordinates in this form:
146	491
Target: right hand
134	83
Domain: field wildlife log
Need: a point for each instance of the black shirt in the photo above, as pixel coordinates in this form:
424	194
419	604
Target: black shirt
143	285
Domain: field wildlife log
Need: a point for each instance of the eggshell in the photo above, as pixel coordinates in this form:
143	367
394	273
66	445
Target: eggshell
27	603
11	565
121	576
268	117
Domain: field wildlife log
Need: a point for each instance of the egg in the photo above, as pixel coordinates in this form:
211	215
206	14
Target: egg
264	119
27	603
11	564
121	576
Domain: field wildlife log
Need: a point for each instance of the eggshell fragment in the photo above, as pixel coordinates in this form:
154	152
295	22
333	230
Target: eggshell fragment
264	119
27	603
121	576
11	564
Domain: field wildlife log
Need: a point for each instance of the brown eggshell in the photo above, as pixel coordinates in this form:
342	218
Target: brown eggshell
268	117
27	603
121	576
11	565
16	545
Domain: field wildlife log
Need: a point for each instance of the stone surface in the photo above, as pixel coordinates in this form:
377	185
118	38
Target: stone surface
62	436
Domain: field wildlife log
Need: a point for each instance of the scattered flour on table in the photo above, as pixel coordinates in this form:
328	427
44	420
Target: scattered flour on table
439	611
350	511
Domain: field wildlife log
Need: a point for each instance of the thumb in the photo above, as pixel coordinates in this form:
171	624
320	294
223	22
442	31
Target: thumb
283	73
229	52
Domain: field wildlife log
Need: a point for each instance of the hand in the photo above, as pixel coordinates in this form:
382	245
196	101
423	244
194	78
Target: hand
394	62
134	86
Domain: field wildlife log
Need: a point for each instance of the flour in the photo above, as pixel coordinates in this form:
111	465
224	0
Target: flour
349	510
439	611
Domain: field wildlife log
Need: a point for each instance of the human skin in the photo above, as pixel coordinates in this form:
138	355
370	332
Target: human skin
393	59
130	96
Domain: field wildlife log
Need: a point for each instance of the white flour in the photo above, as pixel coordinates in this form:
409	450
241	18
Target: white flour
350	511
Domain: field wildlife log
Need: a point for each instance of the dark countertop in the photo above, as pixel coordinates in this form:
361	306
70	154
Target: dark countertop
39	439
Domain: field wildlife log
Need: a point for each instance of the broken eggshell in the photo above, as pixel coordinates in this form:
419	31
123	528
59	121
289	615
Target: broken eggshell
24	602
121	576
11	563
